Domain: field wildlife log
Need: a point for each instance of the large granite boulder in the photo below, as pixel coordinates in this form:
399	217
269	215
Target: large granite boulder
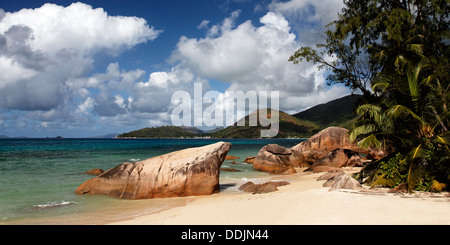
274	159
307	152
188	172
337	159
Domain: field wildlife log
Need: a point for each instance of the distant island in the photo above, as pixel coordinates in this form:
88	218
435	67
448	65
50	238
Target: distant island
339	112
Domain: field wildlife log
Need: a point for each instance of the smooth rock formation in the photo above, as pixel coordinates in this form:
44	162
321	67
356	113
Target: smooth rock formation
229	170
401	188
307	152
336	159
250	160
330	174
188	172
274	159
231	157
342	181
95	171
262	188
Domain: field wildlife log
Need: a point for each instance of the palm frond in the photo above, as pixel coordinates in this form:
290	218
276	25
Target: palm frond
400	62
369	141
412	74
414	171
443	140
362	130
381	180
436	186
416	48
383	86
369	170
376	114
369	108
397	110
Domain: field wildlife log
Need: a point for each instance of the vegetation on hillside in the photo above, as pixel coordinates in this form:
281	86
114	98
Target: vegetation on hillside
289	127
397	53
339	112
158	132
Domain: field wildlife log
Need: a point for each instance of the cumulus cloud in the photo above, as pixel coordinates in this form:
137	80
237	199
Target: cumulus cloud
46	55
256	58
155	95
308	17
42	49
323	11
79	27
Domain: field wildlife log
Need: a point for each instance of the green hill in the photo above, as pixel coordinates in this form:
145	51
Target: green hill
289	126
159	132
339	112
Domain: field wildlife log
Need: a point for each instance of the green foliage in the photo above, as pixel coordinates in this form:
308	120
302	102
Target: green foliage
400	48
289	126
369	36
386	172
414	127
339	112
158	132
391	167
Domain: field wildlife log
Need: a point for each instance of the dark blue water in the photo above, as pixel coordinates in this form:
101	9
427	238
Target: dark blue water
38	177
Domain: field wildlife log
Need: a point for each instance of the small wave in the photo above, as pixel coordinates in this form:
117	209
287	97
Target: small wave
134	160
53	204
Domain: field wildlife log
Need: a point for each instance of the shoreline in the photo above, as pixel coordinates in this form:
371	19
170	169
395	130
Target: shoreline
303	202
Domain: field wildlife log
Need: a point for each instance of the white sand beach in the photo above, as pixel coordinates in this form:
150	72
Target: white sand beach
305	202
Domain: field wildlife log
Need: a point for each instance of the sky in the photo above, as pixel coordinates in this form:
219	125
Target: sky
88	68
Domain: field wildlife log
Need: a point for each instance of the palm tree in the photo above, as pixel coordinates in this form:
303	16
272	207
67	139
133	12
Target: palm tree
411	123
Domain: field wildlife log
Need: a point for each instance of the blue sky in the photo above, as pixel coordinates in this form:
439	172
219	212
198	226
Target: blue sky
81	69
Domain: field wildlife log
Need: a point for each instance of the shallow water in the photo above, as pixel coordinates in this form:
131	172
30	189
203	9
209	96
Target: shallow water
38	176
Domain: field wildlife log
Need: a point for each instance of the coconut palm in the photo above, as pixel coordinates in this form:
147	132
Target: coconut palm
410	122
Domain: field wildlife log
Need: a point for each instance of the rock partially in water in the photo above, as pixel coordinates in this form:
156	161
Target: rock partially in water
95	171
274	159
188	172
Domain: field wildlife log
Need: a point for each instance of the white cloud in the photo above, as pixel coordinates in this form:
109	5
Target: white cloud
85	107
203	24
155	95
79	27
323	11
308	17
15	72
45	51
256	58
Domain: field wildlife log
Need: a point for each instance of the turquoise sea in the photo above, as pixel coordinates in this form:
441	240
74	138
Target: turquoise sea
38	177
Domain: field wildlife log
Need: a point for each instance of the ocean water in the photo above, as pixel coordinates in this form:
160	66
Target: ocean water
38	177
